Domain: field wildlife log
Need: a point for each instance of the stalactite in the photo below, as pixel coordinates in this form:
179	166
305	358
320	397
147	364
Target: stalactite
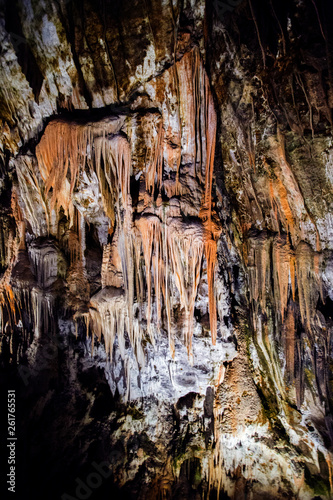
281	256
60	150
42	307
45	257
125	246
172	248
292	270
307	282
154	164
106	194
185	247
281	206
108	315
167	289
64	150
172	251
32	194
116	156
258	266
9	303
211	256
289	340
150	231
212	228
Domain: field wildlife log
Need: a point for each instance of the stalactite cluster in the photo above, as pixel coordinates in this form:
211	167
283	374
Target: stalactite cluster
154	258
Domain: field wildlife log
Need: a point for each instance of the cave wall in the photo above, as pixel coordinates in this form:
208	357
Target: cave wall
166	208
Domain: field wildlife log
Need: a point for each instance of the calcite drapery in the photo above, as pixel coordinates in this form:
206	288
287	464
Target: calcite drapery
171	226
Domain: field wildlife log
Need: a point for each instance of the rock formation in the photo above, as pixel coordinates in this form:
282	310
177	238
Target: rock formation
166	238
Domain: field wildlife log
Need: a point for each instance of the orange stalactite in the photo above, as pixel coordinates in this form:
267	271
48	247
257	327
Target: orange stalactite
281	269
212	229
8	298
281	206
116	156
62	148
172	248
66	148
211	256
155	163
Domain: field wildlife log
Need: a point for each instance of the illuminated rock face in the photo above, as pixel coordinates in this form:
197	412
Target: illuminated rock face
182	232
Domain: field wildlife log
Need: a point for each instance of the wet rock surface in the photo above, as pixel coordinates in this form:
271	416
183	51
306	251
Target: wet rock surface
166	247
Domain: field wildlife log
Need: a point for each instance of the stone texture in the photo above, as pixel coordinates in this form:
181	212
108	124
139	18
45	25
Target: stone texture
166	212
